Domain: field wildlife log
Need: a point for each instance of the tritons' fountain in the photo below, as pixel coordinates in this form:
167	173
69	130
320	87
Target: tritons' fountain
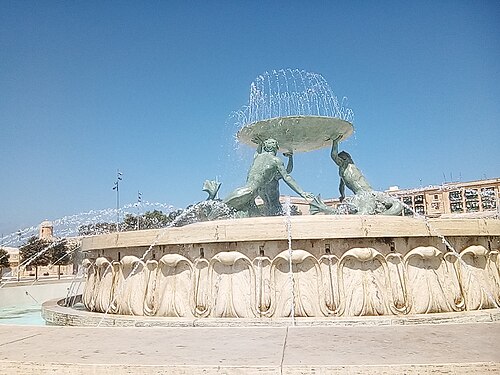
257	263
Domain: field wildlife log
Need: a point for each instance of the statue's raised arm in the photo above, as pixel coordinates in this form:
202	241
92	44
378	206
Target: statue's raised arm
289	166
259	142
335	151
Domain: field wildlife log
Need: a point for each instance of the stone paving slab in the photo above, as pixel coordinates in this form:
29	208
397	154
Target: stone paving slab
454	343
432	349
147	346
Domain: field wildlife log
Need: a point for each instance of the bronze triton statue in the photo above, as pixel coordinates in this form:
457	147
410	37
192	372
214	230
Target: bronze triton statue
366	201
263	181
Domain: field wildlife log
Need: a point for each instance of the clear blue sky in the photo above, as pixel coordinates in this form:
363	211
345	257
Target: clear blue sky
147	87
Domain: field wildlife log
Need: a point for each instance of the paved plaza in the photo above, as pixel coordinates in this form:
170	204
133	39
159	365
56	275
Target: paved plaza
416	349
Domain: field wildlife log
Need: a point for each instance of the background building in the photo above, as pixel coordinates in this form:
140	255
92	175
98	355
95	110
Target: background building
13	256
474	198
46	232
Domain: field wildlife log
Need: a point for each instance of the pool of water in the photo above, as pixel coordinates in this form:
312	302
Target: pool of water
20	303
25	315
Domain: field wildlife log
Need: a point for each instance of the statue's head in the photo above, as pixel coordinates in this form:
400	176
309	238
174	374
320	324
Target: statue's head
345	156
271	145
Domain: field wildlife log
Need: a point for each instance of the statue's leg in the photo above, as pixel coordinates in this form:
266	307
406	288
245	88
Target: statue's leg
241	199
270	195
366	203
394	207
253	210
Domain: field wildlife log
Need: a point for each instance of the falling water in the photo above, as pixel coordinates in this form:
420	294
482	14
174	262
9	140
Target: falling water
74	288
68	226
288	225
291	92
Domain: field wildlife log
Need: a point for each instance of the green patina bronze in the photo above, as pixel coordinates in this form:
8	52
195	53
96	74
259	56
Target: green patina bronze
297	133
366	201
263	181
300	133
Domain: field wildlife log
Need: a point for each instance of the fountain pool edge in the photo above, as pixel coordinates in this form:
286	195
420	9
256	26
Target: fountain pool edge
56	314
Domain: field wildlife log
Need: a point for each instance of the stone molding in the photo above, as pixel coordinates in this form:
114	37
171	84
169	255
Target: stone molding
307	227
360	282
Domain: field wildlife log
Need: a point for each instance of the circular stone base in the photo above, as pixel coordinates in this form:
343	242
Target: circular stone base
297	133
55	314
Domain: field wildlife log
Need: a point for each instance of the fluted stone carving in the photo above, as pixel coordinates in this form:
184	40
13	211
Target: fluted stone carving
105	272
362	281
90	285
432	280
478	270
171	287
303	291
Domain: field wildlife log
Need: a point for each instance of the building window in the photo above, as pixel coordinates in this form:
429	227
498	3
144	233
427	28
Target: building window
408	206
455	196
456	203
488	199
419	209
408	201
419	205
471	194
419	199
471	200
472	206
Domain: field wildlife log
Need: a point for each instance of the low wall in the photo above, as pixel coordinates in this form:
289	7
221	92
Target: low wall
29	294
337	266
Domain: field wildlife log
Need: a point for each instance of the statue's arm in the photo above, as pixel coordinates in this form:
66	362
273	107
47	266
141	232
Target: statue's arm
259	143
289	166
342	189
292	183
335	151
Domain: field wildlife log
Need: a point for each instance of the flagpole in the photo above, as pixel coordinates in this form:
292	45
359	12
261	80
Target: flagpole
117	207
117	188
139	200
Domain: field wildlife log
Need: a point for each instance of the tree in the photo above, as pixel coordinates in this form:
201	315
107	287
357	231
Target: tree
59	254
75	255
34	253
96	228
154	220
130	222
149	220
4	260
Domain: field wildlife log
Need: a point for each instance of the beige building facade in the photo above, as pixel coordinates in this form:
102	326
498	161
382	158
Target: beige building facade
473	198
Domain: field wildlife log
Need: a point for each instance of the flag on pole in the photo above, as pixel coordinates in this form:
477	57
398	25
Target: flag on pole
139	196
119	175
115	185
